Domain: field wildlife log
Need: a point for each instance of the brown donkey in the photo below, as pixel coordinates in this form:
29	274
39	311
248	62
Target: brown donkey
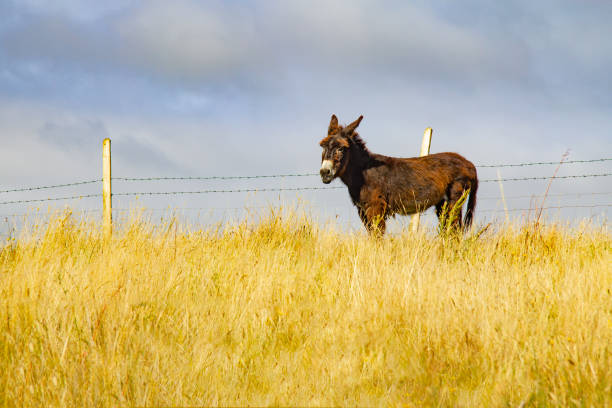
382	186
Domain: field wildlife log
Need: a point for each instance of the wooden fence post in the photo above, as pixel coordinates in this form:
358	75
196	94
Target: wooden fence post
414	221
107	213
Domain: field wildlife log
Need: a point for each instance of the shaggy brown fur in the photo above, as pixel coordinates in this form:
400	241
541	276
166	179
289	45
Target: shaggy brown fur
382	186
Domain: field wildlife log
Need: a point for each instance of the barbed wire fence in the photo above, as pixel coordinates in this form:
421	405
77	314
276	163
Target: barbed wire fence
126	181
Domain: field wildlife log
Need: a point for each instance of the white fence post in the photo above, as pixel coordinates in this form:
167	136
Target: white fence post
107	206
414	221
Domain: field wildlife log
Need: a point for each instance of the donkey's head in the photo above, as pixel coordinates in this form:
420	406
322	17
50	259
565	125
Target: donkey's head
336	150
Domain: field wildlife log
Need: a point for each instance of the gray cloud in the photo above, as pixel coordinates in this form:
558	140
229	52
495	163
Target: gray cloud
395	38
81	138
211	42
84	11
188	39
58	40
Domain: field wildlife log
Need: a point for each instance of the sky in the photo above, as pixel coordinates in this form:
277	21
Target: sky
230	88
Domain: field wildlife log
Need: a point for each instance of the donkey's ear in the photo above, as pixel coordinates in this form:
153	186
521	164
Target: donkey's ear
351	128
333	124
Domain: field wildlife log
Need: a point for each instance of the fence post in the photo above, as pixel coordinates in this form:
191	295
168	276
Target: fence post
415	219
107	213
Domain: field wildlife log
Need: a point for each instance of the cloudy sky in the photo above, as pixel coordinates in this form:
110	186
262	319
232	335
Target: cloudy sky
214	88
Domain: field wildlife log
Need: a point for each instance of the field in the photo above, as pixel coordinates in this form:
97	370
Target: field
286	311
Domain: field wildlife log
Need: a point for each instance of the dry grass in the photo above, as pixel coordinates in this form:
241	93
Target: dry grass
286	312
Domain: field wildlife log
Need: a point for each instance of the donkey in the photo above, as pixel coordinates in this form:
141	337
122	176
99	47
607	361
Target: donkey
382	186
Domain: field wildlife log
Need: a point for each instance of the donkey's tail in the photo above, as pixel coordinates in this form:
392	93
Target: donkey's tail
469	212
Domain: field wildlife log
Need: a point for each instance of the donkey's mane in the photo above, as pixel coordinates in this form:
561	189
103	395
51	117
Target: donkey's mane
359	142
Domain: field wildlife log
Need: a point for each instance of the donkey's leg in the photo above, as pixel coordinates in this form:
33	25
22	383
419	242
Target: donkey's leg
440	207
375	215
454	193
376	223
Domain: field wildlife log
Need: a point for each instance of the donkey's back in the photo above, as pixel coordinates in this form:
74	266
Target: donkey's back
411	185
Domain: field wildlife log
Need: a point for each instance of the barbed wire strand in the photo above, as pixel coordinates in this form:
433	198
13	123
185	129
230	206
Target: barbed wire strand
545	177
243	190
38	213
78	183
542	196
251	208
542	163
547	208
51	199
215	177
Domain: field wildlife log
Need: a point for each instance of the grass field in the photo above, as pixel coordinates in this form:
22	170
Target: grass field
285	311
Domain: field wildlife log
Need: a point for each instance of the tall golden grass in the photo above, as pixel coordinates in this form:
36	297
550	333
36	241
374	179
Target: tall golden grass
285	311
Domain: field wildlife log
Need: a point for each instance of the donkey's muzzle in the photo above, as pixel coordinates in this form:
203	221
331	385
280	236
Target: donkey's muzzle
326	175
327	171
